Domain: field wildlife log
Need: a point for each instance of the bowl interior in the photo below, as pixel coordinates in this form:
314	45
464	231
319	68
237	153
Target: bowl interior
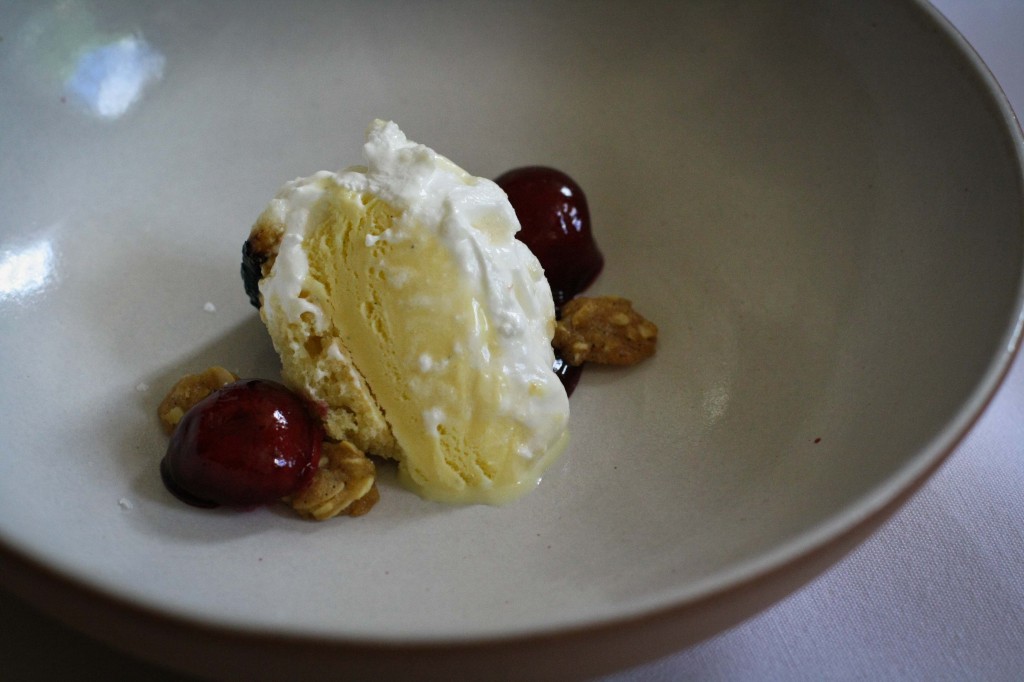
819	204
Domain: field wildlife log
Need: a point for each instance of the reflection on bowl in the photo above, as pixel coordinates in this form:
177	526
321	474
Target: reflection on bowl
104	70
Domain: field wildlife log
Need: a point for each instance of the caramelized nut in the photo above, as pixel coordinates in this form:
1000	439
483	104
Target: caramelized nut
189	390
344	484
364	503
605	330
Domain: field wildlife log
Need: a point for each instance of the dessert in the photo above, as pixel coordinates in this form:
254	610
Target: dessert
411	324
404	309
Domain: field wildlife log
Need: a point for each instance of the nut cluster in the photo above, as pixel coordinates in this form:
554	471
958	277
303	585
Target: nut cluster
189	390
344	484
603	330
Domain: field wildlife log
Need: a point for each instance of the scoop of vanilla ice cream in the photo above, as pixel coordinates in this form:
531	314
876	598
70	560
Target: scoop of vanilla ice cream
402	305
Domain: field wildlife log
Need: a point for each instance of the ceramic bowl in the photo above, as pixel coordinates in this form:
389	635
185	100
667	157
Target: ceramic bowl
820	205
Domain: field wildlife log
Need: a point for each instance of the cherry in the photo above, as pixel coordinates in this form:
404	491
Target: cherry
248	443
555	220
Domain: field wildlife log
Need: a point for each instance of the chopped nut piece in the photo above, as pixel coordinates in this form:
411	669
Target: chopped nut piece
605	330
364	503
344	484
189	390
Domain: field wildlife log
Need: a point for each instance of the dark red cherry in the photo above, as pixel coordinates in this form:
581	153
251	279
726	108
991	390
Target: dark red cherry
552	210
246	444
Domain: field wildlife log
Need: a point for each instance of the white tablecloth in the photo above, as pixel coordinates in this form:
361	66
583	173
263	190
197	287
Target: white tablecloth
937	594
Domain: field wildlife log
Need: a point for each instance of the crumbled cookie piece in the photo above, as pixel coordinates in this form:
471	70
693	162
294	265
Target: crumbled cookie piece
189	390
604	330
344	484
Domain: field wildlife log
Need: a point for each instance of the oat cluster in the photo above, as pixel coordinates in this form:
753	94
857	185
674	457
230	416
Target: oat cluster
603	330
189	390
344	484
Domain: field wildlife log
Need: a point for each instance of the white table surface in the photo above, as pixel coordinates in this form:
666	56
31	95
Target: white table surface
936	594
